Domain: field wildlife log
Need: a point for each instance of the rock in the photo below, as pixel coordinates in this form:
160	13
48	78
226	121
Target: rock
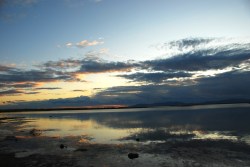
133	155
11	138
35	132
62	146
137	139
81	149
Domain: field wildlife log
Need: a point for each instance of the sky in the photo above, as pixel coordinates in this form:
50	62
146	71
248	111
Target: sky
78	53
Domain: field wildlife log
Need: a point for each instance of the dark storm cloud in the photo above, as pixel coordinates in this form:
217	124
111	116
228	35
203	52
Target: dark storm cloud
19	75
31	93
10	92
230	85
96	66
233	84
48	88
129	95
156	77
201	60
17	85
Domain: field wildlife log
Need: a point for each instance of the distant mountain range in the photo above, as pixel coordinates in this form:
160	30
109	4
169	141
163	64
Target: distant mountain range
228	101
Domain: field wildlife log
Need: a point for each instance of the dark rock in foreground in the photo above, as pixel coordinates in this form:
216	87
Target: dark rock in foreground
62	146
133	155
82	149
11	138
35	132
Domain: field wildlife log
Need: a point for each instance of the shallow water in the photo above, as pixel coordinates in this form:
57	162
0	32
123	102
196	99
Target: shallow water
161	124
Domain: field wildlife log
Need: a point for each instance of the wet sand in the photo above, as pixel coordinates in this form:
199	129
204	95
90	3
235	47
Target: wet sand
23	148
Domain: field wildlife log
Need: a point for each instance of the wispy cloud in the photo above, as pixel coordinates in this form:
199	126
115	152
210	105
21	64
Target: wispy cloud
190	45
84	43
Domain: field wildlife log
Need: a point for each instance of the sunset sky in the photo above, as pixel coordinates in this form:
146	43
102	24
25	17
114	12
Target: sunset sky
76	53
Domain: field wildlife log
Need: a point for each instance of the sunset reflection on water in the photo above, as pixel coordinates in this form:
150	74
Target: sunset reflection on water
149	125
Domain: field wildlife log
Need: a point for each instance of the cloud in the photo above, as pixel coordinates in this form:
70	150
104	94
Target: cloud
31	93
205	54
89	64
155	77
233	84
84	43
182	77
56	71
18	85
202	54
100	66
48	88
223	86
79	90
4	68
61	64
10	92
188	45
200	61
227	85
18	75
69	44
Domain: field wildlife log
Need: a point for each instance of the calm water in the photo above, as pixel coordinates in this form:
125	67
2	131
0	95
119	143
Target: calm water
230	122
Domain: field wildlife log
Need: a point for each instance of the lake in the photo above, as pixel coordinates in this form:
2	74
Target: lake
160	124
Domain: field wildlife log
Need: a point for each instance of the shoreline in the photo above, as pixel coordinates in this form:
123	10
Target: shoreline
117	108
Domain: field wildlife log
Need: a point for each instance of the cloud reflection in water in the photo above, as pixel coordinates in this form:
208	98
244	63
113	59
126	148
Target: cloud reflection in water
156	124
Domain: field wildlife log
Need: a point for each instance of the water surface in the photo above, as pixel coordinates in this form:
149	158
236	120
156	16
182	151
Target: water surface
230	122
